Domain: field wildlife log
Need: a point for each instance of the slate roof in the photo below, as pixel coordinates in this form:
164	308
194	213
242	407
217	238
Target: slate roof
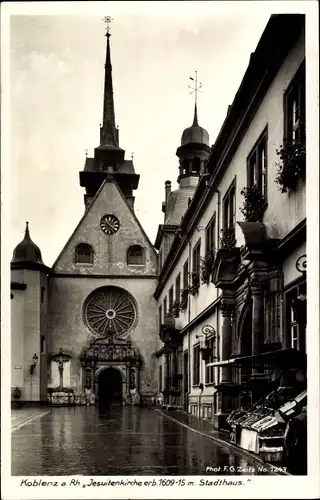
89	165
126	167
27	250
177	204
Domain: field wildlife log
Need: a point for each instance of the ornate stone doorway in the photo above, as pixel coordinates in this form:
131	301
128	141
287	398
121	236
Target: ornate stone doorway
110	387
111	370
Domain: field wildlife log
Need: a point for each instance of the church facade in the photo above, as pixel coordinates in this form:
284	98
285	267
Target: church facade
85	330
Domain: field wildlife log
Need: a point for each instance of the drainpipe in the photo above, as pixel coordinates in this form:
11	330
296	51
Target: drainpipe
199	403
189	336
218	192
218	216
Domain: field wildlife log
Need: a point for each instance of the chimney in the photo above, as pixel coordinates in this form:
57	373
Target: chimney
167	190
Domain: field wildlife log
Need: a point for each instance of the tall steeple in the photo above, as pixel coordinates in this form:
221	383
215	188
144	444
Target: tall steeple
109	163
108	131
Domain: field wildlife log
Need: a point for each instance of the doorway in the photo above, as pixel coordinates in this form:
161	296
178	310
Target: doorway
110	387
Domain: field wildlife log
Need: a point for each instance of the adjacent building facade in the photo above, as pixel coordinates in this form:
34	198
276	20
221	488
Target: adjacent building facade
232	288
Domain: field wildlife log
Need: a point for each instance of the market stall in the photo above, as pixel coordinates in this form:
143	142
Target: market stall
263	428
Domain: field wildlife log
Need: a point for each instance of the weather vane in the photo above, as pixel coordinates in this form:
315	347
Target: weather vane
86	151
108	20
197	86
132	154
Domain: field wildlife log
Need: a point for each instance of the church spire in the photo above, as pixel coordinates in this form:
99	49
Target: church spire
195	118
108	131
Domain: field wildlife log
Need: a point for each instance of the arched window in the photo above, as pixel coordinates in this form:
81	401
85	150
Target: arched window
196	165
185	166
135	255
84	254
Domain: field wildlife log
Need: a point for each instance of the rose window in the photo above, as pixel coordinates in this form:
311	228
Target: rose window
109	311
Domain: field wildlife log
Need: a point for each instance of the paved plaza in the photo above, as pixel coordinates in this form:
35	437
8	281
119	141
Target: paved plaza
119	441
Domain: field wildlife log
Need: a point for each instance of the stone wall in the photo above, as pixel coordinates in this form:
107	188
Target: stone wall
67	329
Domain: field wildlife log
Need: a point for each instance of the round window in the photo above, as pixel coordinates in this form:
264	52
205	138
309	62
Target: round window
110	311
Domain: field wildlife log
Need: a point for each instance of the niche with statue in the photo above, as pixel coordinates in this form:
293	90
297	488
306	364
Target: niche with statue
60	392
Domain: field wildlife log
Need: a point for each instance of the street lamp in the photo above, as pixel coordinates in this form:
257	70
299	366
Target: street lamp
34	362
205	349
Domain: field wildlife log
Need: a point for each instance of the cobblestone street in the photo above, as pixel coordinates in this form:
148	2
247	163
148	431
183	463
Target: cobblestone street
119	441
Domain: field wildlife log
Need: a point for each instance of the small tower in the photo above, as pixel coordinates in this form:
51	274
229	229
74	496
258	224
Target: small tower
193	153
29	278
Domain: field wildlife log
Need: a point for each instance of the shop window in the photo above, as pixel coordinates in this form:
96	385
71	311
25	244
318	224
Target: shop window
294	108
211	359
296	317
257	166
135	256
196	365
84	254
210	236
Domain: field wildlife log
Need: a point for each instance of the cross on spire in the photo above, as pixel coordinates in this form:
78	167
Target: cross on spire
194	90
197	86
108	20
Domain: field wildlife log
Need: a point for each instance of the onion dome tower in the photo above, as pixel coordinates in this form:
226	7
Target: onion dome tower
27	254
193	152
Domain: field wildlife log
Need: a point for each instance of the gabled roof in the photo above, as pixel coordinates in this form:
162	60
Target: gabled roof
90	207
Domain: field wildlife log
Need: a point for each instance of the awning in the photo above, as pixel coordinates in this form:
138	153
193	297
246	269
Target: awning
222	363
279	357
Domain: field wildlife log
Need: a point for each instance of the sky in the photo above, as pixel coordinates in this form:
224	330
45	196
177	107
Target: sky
56	95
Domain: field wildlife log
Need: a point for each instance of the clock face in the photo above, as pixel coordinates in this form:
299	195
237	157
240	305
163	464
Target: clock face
109	224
